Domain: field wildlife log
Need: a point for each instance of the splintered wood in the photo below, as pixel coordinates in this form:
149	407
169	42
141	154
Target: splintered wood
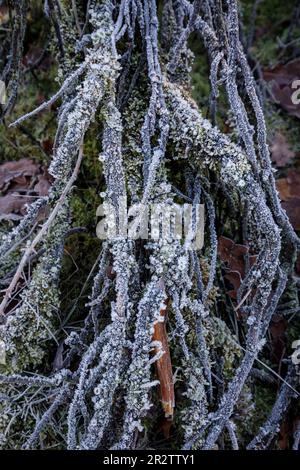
164	366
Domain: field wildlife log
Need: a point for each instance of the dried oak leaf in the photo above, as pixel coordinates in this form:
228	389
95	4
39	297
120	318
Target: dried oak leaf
12	206
280	150
289	187
281	78
17	172
292	207
43	185
233	256
289	190
20	183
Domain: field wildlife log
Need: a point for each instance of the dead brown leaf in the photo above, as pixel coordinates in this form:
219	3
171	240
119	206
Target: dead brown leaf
281	78
17	171
20	183
43	185
289	187
289	191
280	150
292	207
233	256
12	206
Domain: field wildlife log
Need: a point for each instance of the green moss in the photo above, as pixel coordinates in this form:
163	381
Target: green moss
200	75
15	143
272	27
263	401
27	331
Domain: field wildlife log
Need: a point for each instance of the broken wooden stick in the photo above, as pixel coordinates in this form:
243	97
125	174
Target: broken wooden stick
164	365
